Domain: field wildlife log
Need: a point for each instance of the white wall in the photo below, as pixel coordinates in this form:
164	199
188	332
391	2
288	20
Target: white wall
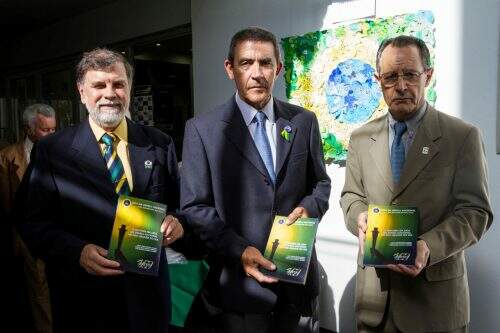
118	21
467	47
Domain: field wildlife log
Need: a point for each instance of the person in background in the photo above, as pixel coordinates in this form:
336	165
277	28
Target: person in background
39	120
420	157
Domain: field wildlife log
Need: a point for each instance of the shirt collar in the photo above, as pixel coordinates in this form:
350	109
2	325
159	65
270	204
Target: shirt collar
414	121
249	111
28	146
120	131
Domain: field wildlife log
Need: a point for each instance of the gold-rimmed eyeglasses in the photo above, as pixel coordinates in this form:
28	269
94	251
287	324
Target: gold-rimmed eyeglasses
391	79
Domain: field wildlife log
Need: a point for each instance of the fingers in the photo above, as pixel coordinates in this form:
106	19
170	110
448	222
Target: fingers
410	270
261	261
171	229
251	260
296	214
93	260
258	275
396	268
423	254
361	240
362	221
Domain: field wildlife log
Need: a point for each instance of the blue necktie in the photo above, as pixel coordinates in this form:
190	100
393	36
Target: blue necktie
262	142
398	151
114	164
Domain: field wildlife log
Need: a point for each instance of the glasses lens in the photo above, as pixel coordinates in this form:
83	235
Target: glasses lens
390	79
411	77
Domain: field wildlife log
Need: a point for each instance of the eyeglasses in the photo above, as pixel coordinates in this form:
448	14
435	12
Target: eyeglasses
391	79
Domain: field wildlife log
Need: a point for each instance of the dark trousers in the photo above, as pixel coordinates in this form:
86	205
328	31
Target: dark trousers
285	318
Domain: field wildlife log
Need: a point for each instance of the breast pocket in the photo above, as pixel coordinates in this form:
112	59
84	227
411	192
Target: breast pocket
298	158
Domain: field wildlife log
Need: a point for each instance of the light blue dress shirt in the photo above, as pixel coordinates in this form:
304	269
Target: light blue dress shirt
412	126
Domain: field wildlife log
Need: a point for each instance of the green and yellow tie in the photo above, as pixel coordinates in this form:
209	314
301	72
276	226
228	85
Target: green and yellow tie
114	164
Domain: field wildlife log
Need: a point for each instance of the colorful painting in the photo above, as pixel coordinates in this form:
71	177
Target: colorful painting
331	73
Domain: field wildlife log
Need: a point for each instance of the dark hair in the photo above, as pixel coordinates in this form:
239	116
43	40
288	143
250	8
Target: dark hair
255	34
101	59
402	41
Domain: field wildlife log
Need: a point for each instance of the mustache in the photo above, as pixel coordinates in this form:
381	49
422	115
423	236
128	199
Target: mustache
402	96
108	103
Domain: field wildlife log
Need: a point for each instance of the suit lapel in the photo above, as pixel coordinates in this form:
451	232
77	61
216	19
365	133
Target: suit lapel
422	150
89	159
379	152
283	146
141	157
237	132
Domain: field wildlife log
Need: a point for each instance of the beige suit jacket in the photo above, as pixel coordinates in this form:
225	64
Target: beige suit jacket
447	181
12	168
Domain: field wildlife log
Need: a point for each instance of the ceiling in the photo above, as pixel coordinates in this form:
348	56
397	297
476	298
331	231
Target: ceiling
18	17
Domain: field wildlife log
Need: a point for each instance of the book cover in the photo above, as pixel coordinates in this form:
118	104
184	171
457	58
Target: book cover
391	237
136	239
290	247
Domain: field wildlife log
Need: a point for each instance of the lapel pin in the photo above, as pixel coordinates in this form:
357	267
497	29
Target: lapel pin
148	164
425	150
285	133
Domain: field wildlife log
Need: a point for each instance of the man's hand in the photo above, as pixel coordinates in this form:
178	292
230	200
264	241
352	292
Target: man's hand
171	229
93	260
251	260
362	226
423	253
297	213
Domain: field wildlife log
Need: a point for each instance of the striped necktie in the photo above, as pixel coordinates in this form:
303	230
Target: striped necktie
398	151
114	164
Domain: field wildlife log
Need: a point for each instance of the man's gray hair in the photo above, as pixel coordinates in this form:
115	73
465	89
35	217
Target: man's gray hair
29	114
403	41
102	59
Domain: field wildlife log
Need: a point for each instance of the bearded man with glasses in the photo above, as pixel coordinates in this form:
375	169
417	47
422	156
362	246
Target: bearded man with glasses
416	156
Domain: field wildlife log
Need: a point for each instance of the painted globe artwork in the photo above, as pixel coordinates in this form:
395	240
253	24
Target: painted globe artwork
352	94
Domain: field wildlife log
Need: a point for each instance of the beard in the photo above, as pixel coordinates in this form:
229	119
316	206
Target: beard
107	117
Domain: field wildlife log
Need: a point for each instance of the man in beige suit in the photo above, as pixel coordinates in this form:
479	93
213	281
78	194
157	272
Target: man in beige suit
416	156
38	120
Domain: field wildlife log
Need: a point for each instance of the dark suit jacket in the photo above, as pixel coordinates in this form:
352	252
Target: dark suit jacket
230	202
71	202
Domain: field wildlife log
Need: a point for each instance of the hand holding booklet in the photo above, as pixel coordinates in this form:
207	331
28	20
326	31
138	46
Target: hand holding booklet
391	236
290	247
136	239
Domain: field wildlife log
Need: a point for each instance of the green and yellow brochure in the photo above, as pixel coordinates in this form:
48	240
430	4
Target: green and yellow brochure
136	239
290	248
391	236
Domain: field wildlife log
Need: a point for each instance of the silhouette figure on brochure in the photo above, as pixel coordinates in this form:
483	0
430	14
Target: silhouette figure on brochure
374	252
119	256
274	248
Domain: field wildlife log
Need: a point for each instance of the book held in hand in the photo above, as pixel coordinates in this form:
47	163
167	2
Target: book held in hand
391	236
136	239
290	247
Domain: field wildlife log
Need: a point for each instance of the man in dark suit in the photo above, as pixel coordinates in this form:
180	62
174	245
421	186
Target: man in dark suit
71	201
250	159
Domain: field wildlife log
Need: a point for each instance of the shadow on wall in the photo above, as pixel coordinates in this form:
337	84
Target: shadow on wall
479	51
347	323
327	317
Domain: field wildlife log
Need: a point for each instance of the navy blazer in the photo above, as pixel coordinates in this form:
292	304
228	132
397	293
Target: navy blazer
71	202
230	202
